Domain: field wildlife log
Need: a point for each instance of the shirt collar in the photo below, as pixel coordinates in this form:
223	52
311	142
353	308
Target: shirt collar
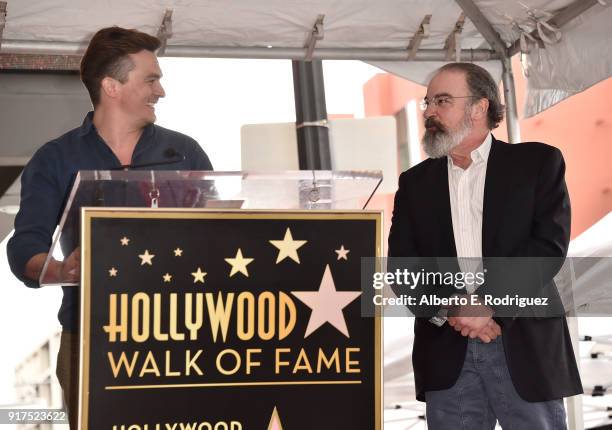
481	154
88	126
478	155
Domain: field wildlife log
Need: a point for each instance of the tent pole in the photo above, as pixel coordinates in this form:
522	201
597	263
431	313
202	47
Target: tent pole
512	123
575	417
495	41
263	53
311	116
2	19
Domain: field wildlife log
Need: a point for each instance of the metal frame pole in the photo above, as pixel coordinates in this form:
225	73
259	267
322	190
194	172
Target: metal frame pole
512	120
492	37
262	53
575	416
311	116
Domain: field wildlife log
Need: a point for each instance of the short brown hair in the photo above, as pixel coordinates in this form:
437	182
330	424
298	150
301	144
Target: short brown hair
482	85
108	55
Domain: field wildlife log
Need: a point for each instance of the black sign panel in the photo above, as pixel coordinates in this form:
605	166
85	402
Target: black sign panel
228	320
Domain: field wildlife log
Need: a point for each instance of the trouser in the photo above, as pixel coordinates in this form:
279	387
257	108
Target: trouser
484	394
68	374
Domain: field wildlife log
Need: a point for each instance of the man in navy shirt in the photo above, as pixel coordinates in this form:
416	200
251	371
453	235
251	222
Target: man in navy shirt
122	75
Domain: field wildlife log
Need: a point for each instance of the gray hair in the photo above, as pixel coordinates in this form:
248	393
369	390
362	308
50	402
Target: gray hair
481	85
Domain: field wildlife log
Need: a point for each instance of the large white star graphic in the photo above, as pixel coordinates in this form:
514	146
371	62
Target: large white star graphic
326	304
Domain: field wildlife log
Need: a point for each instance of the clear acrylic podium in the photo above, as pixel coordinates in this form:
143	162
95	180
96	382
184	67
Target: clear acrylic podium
305	189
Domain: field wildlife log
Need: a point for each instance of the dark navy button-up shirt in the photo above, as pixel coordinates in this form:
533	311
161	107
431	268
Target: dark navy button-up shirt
48	177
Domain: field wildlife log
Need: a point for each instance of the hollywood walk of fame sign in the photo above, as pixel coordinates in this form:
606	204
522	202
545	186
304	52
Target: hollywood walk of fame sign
228	320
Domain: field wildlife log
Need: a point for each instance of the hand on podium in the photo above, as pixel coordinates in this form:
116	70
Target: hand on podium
68	271
70	268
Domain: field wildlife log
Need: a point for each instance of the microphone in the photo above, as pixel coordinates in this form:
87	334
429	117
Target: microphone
172	155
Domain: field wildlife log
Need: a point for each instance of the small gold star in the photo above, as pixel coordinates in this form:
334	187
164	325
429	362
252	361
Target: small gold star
113	272
146	258
124	241
288	247
178	252
198	276
342	253
239	264
167	277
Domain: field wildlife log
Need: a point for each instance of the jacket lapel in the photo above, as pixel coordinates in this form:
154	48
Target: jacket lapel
496	184
445	237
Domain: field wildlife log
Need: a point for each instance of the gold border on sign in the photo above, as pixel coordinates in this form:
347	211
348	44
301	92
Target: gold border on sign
90	213
84	333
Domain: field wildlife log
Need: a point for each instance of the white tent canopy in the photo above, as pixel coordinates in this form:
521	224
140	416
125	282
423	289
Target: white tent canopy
379	32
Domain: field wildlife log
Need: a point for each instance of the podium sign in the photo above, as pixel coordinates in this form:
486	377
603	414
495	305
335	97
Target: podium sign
227	320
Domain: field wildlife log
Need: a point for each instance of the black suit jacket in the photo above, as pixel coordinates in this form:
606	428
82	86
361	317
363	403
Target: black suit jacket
526	213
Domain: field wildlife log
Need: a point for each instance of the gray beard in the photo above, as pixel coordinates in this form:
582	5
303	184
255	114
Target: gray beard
439	144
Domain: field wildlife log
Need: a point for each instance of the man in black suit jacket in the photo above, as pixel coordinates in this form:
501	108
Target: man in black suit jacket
479	197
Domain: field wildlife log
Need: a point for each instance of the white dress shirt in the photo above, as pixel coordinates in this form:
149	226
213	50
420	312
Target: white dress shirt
466	189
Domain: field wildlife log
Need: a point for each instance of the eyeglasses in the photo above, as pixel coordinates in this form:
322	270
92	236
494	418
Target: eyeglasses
441	101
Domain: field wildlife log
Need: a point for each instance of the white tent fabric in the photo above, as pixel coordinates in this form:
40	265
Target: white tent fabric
385	25
278	23
594	242
581	59
589	269
421	72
